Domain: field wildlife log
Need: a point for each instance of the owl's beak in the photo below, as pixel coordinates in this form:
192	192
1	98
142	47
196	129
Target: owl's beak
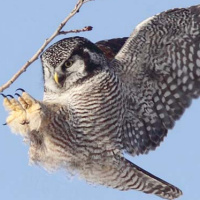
56	78
59	78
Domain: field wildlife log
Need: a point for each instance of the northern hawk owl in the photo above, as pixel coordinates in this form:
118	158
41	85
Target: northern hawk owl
98	105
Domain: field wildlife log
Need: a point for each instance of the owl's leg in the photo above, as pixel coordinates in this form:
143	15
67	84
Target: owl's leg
33	109
17	115
24	114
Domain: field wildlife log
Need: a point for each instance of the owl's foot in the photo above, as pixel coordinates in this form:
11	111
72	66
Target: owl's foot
15	108
28	103
22	112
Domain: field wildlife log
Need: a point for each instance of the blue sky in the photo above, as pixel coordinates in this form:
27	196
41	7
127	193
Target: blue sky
24	27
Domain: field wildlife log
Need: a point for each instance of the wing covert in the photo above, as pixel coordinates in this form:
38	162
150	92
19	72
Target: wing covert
111	47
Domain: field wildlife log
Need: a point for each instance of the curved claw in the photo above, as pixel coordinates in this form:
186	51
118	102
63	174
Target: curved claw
4	124
4	96
16	94
20	89
10	96
24	122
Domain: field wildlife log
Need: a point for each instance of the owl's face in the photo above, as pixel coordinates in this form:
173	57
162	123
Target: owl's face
70	62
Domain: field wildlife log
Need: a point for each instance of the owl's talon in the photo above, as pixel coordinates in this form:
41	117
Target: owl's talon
10	96
20	89
3	95
4	124
16	94
24	122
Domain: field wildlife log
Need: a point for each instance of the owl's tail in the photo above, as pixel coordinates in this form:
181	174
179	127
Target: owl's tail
139	179
124	175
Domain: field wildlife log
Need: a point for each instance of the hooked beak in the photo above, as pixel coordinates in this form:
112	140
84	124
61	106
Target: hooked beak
56	78
59	78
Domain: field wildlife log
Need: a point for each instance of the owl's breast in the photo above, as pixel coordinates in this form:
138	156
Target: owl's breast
96	114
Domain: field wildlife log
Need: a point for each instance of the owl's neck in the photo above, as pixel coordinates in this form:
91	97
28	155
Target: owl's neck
93	86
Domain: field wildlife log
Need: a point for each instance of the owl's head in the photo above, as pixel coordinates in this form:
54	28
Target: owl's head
70	62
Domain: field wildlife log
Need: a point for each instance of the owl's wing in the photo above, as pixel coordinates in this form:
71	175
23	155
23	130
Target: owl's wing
111	47
160	67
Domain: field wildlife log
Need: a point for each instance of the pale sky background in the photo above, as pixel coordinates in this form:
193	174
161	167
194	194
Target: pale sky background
24	27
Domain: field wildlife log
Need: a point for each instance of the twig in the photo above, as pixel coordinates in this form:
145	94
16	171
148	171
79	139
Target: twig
86	28
47	41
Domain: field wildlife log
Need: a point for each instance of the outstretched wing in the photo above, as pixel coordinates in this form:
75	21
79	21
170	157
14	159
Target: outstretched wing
160	67
111	47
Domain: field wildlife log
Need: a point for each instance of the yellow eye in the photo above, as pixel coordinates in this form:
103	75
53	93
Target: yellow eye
68	63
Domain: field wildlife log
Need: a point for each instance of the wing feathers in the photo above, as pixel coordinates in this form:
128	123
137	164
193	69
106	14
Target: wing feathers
160	68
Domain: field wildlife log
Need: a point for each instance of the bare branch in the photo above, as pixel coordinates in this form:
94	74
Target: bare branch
85	1
47	41
86	28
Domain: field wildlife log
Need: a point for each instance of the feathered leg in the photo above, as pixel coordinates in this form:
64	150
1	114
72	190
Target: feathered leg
24	114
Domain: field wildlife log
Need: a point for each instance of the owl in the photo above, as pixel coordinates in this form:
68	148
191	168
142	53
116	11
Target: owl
100	103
